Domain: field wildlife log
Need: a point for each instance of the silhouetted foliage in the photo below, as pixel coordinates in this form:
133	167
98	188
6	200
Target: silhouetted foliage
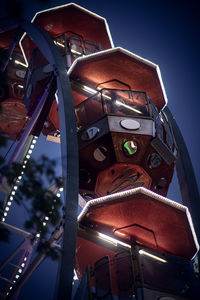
45	247
34	195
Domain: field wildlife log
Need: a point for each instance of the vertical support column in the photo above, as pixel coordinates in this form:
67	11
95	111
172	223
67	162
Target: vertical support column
31	123
186	176
17	35
69	152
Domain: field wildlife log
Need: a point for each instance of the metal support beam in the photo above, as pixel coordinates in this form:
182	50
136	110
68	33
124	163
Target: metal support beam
186	177
33	266
69	152
31	123
16	37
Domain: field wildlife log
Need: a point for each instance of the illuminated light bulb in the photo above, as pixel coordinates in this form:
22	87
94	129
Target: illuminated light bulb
17	276
23	166
46	218
13	192
7	208
61	189
9	203
22	173
23	265
15	187
20	86
34	142
20	270
25	161
28	156
37	235
32	146
14	281
11	198
141	251
3	219
58	194
25	258
10	287
30	151
44	223
5	214
19	177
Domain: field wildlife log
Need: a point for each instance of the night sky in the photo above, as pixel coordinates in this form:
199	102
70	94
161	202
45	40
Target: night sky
164	32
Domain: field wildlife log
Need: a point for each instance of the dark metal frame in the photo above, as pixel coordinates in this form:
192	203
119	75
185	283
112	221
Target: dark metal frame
186	176
69	152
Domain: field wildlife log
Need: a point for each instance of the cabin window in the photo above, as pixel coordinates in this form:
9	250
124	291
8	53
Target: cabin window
111	102
123	102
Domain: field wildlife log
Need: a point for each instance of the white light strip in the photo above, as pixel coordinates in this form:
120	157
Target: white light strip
89	90
93	91
76	52
127	106
128	193
112	240
59	44
107	97
81	8
20	63
143	252
56	97
15	187
111	50
162	86
75	275
144	191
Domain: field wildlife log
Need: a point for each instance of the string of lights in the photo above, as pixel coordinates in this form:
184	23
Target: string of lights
18	180
23	264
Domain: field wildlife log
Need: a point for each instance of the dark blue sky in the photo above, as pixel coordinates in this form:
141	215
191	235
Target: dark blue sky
166	33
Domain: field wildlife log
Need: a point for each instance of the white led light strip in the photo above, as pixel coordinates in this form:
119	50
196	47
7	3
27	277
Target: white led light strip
18	180
18	273
143	252
46	218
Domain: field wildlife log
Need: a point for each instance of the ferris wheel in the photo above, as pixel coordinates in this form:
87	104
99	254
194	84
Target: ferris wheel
107	107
